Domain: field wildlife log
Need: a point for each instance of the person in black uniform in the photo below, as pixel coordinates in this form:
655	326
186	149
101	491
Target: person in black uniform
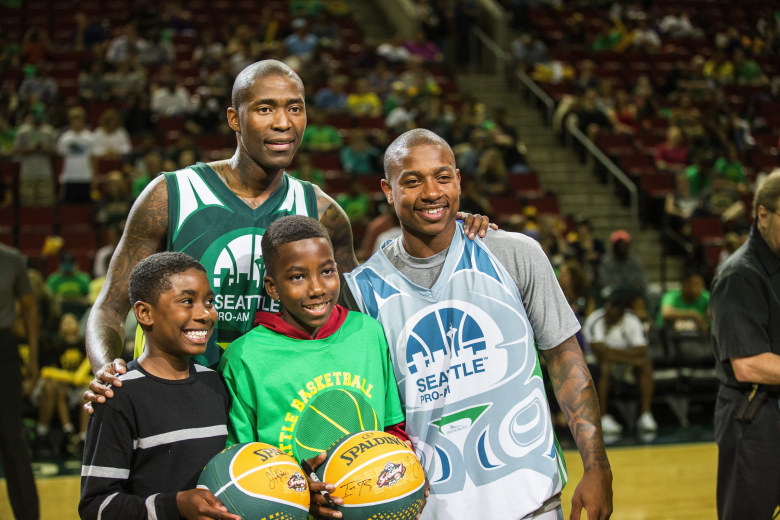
745	304
15	284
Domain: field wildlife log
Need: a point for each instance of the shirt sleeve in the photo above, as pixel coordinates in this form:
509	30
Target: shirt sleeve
242	417
740	309
106	468
552	319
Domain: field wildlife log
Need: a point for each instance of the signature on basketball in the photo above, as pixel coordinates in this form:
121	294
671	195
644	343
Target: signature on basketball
276	477
391	474
356	487
297	483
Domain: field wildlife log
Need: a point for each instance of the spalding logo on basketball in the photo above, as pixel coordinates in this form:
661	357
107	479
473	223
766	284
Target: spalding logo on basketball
376	474
257	482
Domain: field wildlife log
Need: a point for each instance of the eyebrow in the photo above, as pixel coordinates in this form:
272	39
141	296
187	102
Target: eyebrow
275	102
192	292
299	268
417	172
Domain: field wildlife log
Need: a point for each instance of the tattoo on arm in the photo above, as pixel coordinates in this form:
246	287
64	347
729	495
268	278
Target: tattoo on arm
577	397
145	234
340	230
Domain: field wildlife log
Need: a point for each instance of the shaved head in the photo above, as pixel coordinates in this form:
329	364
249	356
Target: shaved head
258	70
399	148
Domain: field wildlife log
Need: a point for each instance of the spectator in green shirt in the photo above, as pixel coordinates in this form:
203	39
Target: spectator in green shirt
686	308
747	70
70	286
320	136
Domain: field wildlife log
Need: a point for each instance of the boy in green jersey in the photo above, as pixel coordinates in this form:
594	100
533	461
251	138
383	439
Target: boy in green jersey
314	372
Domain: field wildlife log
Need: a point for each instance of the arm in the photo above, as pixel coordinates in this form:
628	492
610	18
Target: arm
577	397
242	415
145	233
630	355
107	467
335	220
30	315
763	368
670	313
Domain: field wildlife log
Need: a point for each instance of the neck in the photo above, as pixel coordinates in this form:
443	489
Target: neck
425	246
164	366
246	178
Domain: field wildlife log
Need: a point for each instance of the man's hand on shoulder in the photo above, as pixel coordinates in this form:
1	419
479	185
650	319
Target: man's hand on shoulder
474	225
98	390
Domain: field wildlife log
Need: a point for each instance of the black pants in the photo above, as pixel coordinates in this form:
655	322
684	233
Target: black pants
748	459
16	461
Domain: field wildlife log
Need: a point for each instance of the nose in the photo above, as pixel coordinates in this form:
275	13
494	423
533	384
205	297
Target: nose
316	287
203	313
431	189
281	120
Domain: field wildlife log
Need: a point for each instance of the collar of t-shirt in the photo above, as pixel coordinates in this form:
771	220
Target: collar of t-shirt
274	322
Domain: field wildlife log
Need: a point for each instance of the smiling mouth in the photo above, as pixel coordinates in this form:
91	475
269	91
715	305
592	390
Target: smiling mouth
316	306
432	212
196	335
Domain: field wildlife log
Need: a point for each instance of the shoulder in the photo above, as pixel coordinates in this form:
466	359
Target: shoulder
124	396
518	247
246	345
207	376
363	320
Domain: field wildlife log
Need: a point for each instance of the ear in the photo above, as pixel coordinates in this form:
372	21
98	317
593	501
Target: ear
143	313
388	191
270	287
232	118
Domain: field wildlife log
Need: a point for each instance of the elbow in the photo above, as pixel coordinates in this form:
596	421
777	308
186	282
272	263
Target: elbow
744	371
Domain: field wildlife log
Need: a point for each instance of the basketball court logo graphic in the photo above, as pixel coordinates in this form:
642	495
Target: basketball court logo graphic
392	474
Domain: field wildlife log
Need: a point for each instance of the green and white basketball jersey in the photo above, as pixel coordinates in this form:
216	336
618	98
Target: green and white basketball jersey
209	222
471	383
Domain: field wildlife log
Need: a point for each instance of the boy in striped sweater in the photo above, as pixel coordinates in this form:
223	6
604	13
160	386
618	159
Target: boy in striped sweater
146	447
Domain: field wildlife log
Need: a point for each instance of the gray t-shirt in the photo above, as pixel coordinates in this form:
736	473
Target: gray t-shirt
550	315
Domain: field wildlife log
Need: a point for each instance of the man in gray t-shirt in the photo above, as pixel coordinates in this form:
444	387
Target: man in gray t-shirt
452	310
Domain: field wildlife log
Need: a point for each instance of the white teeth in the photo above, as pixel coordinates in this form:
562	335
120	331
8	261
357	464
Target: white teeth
432	211
196	334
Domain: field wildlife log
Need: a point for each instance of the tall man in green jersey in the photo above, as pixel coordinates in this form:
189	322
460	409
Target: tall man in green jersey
217	213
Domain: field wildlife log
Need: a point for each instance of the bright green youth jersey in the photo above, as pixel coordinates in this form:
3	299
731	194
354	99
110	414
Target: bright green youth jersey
209	222
302	395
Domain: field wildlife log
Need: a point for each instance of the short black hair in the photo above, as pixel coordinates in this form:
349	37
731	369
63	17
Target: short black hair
289	229
151	276
260	69
410	139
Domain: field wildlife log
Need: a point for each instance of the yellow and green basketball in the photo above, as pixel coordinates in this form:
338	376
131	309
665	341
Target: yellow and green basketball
376	474
257	482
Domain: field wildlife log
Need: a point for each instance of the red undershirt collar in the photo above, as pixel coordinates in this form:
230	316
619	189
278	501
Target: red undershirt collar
274	322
